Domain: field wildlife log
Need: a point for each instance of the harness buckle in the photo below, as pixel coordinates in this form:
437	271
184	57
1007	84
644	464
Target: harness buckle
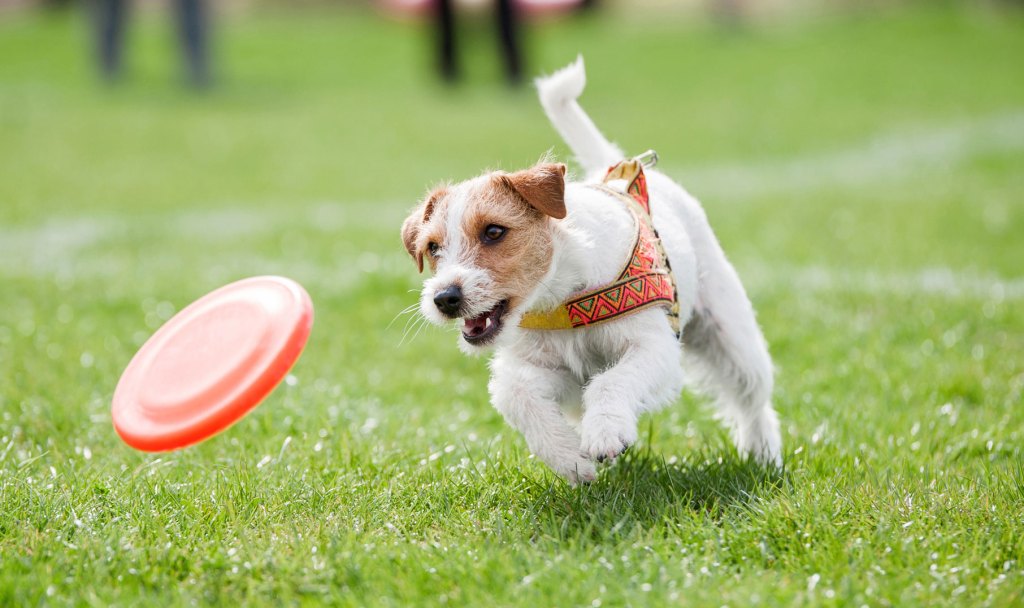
648	159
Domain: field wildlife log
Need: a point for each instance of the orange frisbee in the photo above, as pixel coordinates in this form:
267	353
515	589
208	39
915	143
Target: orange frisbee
212	363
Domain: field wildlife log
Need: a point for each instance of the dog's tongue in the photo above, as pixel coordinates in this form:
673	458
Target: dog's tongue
476	326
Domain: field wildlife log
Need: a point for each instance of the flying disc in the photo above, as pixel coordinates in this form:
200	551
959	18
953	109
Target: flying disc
212	363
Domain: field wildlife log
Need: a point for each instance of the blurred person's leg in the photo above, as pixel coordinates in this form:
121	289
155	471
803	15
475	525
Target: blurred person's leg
730	13
109	17
508	31
194	30
444	15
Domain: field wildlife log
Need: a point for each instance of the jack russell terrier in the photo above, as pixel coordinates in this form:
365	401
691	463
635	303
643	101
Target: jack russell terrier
594	297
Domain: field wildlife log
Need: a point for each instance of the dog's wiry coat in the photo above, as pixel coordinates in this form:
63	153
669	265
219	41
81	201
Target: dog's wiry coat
576	394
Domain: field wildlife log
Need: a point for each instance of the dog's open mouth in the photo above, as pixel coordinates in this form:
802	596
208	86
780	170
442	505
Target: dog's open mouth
482	329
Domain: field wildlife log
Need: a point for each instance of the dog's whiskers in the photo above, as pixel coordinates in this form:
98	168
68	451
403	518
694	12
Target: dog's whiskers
408	309
412	324
419	329
416	326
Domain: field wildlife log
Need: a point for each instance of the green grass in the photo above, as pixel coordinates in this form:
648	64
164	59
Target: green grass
864	172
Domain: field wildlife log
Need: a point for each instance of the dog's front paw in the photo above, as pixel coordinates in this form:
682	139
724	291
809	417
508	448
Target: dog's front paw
575	468
606	436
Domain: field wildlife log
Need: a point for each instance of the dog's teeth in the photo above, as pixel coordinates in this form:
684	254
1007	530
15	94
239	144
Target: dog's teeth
487	323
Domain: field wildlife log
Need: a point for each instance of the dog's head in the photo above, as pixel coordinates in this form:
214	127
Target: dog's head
488	242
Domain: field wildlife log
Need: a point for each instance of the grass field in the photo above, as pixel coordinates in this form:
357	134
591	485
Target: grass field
864	172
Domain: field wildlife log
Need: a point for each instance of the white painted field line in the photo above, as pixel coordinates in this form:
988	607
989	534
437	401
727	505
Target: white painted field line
40	258
895	154
81	249
934	282
74	245
887	156
58	242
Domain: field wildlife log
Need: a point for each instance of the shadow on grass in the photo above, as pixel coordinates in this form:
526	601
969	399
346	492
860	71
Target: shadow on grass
645	490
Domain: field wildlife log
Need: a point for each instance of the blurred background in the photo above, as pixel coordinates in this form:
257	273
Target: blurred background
120	105
847	152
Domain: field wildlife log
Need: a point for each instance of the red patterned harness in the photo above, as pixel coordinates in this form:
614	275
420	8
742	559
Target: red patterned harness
645	281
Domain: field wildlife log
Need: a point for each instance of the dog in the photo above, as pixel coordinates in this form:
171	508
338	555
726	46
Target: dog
502	246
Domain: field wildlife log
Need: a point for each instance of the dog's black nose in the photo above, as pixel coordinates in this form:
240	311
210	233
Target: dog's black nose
449	300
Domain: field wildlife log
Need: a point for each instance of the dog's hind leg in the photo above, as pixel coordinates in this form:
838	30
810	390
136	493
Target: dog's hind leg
724	348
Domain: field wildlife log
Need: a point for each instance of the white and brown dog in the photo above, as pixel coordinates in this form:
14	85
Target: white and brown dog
503	244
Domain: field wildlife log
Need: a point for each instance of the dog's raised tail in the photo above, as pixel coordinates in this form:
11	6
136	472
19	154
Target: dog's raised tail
558	93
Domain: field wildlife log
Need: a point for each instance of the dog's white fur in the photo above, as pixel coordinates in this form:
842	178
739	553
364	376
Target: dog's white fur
576	394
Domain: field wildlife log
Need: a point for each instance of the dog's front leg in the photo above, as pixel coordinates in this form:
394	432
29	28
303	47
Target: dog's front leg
648	375
527	397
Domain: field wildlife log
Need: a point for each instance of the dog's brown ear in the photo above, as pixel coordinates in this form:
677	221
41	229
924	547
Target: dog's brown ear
413	223
542	186
410	232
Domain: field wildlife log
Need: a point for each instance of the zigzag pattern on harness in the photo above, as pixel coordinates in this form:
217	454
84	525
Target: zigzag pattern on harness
639	285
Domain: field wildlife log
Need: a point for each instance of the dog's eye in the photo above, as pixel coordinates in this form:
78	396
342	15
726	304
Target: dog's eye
433	248
493	233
